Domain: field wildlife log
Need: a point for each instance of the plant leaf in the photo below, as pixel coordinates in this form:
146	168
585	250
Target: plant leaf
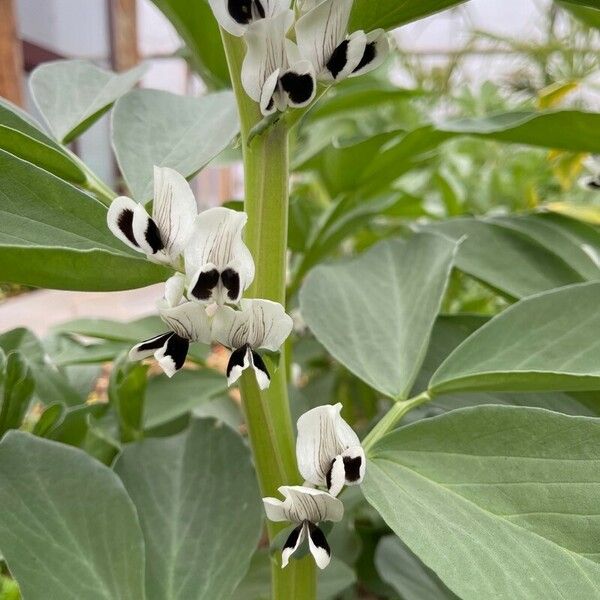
482	494
375	313
546	342
371	14
55	236
74	94
199	509
17	385
67	527
151	127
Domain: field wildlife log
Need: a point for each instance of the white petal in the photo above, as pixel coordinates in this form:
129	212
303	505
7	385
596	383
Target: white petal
270	101
322	435
188	320
265	42
308	504
219	8
147	348
337	476
355	464
347	57
217	239
146	233
318	546
236	17
174	210
239	361
263	379
259	323
376	51
293	542
275	509
321	30
171	357
120	221
299	84
174	289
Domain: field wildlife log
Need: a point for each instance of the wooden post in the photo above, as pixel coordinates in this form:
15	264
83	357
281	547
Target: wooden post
123	34
11	55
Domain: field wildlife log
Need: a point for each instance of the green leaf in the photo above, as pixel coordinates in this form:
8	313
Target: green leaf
331	582
67	527
17	385
500	502
375	313
55	236
399	567
588	14
168	399
22	136
198	28
371	14
126	392
151	127
74	94
116	331
199	509
448	333
505	258
546	342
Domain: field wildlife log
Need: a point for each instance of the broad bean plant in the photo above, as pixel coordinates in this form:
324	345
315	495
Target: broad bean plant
352	386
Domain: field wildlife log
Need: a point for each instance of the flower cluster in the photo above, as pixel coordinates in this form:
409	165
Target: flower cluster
203	299
329	456
279	73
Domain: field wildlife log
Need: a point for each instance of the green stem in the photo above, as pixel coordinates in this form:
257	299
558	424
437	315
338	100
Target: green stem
267	413
398	410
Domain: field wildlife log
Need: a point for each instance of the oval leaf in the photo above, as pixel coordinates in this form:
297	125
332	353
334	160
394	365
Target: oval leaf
500	502
199	509
55	236
67	527
543	343
74	94
375	313
151	127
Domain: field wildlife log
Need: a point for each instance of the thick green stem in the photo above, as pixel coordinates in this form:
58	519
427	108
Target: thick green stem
267	413
398	410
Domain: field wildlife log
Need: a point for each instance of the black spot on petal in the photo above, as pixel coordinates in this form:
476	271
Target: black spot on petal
368	56
237	359
205	284
154	343
259	363
244	11
177	348
231	281
352	468
318	538
335	65
299	88
292	539
125	224
328	475
152	236
594	184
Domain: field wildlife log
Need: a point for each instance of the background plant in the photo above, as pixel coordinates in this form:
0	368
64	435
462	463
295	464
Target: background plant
492	329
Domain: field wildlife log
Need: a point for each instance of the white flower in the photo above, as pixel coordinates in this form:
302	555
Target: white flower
235	15
328	451
322	38
217	261
258	324
592	182
307	507
189	323
163	236
273	72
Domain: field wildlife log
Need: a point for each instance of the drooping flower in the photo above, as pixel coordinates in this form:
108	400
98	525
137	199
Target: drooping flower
258	324
322	38
236	15
328	450
273	72
308	507
164	235
188	322
218	263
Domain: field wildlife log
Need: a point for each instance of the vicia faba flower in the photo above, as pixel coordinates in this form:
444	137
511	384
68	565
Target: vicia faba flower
217	262
188	322
258	324
164	235
273	72
235	15
308	507
592	182
322	38
328	450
